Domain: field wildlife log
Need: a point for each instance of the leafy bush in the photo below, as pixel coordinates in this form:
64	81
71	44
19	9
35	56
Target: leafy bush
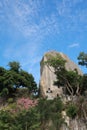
5	120
50	110
10	100
72	110
24	120
4	92
14	78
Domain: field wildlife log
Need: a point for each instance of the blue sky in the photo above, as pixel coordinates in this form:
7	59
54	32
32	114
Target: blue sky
29	28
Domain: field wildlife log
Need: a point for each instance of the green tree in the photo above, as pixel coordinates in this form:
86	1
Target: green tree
84	84
72	110
82	105
24	120
2	72
82	59
28	120
57	120
6	120
28	81
50	111
45	112
15	66
70	80
14	78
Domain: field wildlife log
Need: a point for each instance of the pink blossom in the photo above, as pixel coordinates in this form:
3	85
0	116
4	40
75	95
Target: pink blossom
26	103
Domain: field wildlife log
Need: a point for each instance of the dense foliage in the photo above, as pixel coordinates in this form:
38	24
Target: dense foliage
72	110
15	77
24	120
37	117
41	114
71	81
82	58
73	84
50	111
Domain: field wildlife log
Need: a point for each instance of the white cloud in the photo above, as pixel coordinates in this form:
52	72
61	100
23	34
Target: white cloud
26	17
31	19
73	45
72	15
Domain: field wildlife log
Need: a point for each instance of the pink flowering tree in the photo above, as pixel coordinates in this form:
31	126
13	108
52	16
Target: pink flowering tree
26	103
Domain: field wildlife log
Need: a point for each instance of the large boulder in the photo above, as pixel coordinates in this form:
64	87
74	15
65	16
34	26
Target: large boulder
47	78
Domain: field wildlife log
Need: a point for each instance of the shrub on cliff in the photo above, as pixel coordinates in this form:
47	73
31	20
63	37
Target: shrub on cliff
72	110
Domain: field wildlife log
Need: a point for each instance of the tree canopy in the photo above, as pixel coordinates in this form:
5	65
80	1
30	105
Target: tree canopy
15	66
14	78
82	59
70	80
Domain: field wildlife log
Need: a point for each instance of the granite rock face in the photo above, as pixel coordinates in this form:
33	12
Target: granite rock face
47	78
75	125
47	89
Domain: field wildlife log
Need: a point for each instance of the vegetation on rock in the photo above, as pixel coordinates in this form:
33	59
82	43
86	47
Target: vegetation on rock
20	112
70	80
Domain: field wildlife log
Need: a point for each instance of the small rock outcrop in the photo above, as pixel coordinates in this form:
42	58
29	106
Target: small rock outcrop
47	87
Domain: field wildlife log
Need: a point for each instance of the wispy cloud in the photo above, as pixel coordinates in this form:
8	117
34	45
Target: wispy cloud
73	45
72	14
26	17
34	21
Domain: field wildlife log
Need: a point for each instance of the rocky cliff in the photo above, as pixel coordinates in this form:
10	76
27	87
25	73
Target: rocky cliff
47	89
48	77
75	125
